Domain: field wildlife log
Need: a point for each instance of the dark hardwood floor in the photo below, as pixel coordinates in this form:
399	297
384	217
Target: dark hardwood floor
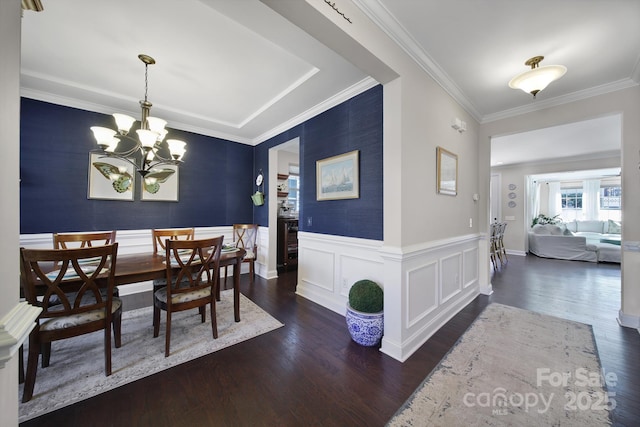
311	373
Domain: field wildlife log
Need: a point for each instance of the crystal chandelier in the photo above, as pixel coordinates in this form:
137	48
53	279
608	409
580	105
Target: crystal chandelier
149	149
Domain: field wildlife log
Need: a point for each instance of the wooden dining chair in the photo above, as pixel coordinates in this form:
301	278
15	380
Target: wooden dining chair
502	250
70	298
245	237
79	240
493	244
160	235
191	285
83	240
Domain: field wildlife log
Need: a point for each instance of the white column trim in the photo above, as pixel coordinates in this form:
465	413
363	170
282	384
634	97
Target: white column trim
15	327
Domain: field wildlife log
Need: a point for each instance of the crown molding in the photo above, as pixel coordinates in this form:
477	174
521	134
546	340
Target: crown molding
356	89
381	16
560	100
346	94
103	109
279	96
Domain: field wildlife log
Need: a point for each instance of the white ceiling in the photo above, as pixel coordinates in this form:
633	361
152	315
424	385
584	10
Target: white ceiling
230	69
238	70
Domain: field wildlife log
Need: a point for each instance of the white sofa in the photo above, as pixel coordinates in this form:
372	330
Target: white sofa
600	234
577	240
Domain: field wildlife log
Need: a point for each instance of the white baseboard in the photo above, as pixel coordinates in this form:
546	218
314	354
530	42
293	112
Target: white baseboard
628	320
516	253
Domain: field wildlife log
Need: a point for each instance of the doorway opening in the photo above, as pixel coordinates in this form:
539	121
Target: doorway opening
284	201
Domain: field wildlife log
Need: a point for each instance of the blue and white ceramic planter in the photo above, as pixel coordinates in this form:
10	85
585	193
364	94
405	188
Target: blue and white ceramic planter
365	328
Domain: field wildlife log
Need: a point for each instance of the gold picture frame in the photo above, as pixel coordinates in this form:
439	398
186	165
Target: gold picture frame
338	177
447	172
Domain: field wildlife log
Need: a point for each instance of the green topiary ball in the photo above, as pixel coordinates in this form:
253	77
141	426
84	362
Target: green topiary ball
366	296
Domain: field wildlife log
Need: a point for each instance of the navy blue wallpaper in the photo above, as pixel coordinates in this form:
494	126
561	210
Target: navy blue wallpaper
215	180
353	125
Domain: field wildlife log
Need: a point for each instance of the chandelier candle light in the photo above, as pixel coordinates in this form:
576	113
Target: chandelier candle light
537	78
149	146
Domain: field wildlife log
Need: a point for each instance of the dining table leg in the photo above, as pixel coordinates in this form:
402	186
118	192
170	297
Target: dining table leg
236	289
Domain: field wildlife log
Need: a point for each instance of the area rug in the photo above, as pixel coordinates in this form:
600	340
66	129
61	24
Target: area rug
518	368
140	354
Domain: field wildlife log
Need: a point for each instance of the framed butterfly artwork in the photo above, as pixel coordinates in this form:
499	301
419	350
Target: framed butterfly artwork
160	184
110	178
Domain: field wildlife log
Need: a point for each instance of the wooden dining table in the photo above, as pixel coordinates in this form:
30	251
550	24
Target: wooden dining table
142	267
135	268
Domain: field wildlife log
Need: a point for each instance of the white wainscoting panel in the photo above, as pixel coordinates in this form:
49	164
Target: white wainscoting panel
329	265
470	265
425	285
320	272
262	261
354	267
450	284
436	280
423	294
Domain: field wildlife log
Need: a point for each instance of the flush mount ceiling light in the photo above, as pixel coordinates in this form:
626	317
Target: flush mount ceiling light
35	5
537	78
149	149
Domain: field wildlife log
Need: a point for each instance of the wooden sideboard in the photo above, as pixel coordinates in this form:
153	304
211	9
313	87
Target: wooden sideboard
287	242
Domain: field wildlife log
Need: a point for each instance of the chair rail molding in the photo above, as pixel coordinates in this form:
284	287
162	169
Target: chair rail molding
15	327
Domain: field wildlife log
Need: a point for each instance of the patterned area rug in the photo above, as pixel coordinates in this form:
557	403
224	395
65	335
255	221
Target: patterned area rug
140	355
518	368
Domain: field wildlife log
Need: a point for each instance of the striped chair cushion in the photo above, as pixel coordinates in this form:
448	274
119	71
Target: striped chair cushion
161	294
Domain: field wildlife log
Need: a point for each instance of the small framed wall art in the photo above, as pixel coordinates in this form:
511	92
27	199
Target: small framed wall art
110	178
447	172
338	177
161	184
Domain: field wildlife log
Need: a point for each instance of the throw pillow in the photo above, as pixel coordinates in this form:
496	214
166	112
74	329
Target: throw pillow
567	232
590	226
571	226
554	230
614	227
